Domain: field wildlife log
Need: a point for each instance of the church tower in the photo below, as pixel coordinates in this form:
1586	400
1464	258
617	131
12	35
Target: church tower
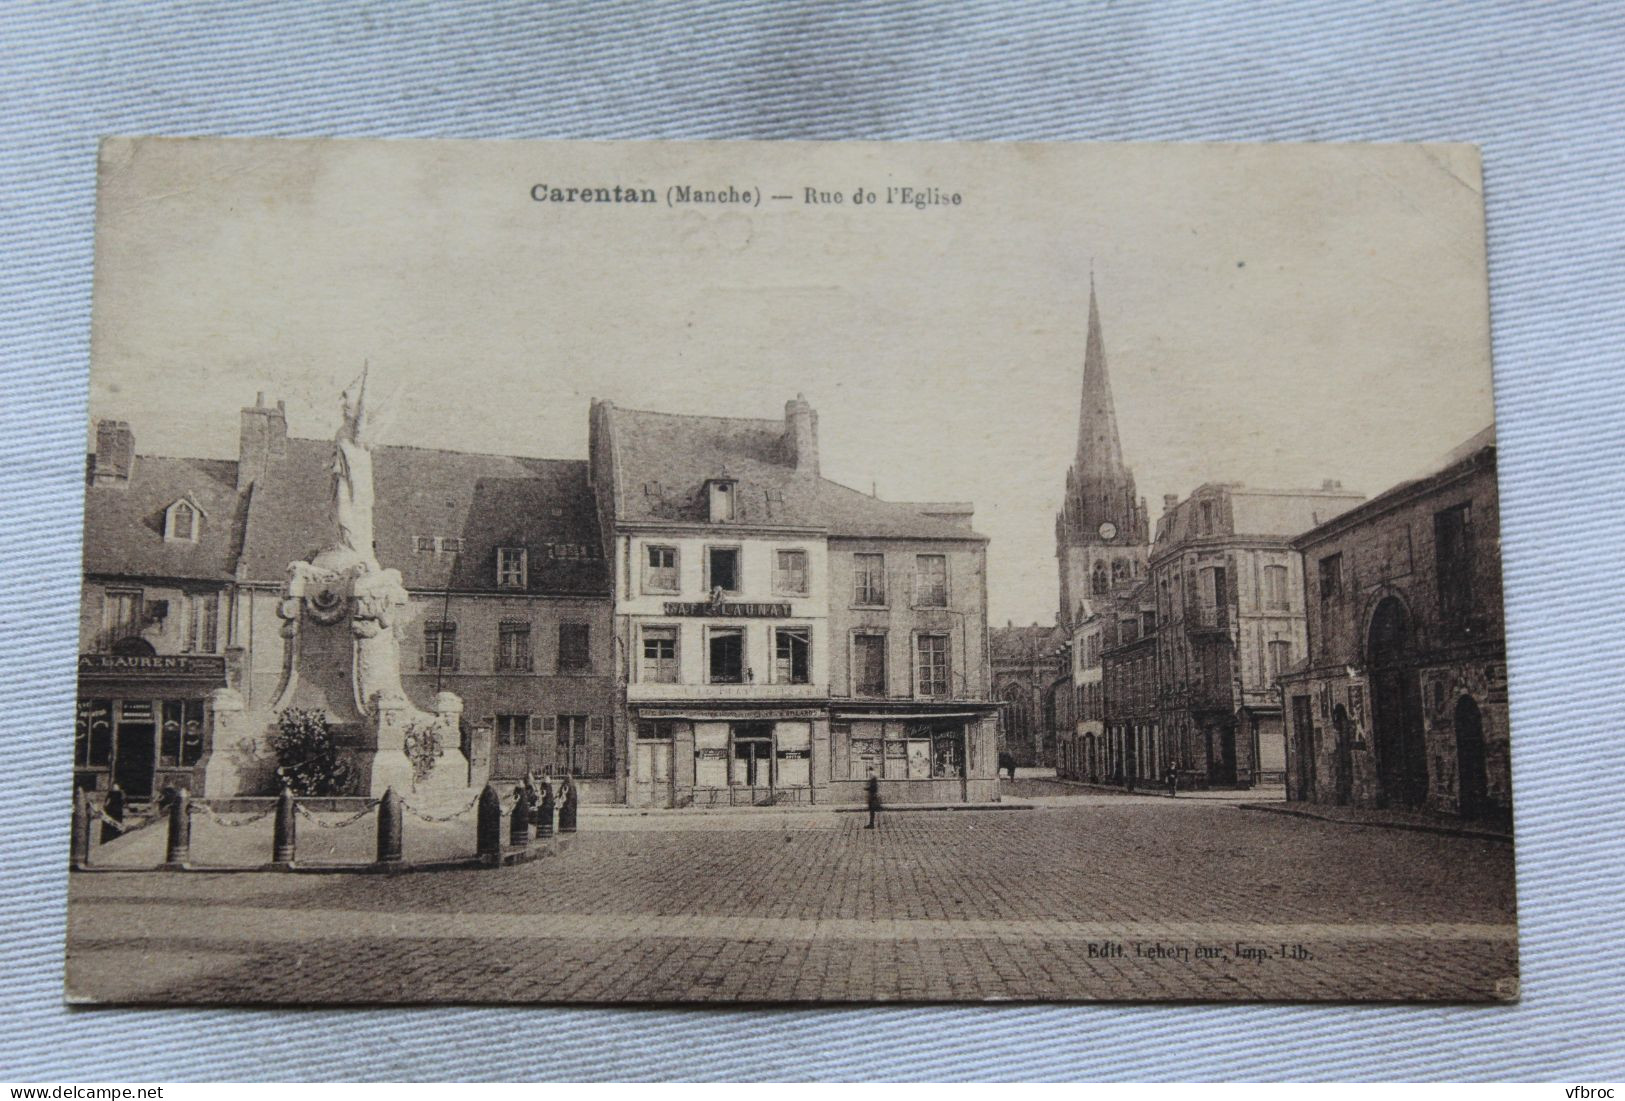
1102	536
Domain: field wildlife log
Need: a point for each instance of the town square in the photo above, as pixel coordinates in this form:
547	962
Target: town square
674	703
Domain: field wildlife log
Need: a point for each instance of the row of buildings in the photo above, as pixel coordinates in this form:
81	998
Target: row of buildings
1349	649
690	615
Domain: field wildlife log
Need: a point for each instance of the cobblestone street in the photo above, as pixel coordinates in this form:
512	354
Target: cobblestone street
1085	896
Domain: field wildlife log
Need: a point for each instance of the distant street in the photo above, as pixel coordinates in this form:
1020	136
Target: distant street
1085	895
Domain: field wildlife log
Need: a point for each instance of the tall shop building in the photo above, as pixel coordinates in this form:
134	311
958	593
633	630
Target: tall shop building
782	638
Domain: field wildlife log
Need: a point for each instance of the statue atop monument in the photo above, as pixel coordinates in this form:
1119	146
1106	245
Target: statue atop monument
341	657
352	477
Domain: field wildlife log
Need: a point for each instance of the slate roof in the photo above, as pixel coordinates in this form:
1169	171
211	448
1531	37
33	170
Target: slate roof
124	523
489	501
1011	645
663	461
1479	447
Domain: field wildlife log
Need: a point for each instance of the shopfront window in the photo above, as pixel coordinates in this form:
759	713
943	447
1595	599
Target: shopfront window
864	750
93	734
948	753
181	739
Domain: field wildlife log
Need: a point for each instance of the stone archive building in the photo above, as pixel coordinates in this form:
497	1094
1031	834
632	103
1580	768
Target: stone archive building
1402	701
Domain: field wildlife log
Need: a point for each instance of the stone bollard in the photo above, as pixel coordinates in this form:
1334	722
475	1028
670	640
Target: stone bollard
282	836
83	809
569	800
488	830
544	812
179	849
113	808
389	828
519	823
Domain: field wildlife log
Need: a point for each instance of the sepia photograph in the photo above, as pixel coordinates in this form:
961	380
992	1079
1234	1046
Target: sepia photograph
747	572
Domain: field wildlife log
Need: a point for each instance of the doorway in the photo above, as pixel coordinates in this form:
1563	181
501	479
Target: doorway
1222	754
1396	707
1344	755
752	755
1303	747
1471	775
135	749
651	774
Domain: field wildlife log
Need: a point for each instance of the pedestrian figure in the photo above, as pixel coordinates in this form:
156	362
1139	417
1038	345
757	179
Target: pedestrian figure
568	801
1173	782
874	800
1007	763
113	809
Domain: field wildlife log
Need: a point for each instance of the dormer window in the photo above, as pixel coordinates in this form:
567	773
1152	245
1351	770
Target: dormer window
511	568
723	493
182	520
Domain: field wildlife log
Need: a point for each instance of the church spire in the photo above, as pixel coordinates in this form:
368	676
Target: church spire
1102	533
1099	450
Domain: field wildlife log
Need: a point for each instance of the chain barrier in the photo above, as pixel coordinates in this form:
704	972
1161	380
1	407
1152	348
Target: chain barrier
198	807
350	821
443	818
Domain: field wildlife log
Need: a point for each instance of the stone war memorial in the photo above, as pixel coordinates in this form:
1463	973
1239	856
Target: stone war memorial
341	659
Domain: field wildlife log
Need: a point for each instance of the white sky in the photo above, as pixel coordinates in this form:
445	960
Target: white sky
1274	315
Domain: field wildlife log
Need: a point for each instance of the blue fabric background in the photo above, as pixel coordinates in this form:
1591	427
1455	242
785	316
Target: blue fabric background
1540	86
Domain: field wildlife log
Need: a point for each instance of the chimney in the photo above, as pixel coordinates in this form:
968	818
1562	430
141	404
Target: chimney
261	440
1169	500
801	435
115	453
957	513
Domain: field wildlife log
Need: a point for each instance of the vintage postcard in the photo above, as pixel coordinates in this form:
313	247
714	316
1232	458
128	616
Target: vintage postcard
751	572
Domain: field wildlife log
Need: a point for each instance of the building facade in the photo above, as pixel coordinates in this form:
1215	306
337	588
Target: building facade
155	613
1078	750
784	638
1402	701
1093	748
187	560
1134	751
1226	588
1023	662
